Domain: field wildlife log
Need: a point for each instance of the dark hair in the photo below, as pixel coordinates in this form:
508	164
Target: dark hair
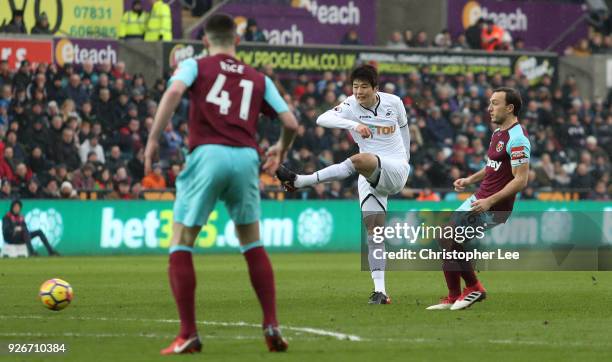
366	73
220	30
512	97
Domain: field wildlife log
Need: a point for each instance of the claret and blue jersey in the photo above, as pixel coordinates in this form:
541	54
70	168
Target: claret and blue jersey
508	148
226	98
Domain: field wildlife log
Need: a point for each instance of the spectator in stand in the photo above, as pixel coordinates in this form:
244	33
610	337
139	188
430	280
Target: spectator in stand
154	180
6	190
396	41
159	23
129	138
409	38
253	33
16	25
22	177
136	165
5	74
19	153
581	49
121	191
114	161
83	179
91	145
351	38
33	191
461	43
133	22
103	179
443	39
67	191
492	36
171	143
75	90
22	79
421	40
51	190
473	34
66	151
600	193
42	25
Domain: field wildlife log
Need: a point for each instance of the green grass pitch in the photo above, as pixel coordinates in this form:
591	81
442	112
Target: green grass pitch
123	311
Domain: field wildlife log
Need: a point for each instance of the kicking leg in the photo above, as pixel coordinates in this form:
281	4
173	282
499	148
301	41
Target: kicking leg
262	280
183	283
365	164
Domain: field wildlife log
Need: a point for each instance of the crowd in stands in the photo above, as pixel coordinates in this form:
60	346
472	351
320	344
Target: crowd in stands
81	128
486	35
599	39
66	129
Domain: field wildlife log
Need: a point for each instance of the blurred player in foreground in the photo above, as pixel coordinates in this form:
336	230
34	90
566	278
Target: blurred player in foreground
504	176
377	122
226	97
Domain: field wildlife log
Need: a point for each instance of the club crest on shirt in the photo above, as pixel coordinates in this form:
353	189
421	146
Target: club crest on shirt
500	146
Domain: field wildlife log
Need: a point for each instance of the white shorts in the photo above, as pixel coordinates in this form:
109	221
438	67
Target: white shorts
393	176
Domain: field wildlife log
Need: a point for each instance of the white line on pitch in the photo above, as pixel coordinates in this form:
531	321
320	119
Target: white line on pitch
310	330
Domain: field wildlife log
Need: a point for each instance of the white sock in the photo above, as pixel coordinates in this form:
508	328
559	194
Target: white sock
338	171
378	276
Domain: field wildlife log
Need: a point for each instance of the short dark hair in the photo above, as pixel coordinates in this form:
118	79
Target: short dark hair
512	97
367	73
220	30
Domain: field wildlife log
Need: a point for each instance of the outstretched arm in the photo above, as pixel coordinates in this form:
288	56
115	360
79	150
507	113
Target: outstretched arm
331	119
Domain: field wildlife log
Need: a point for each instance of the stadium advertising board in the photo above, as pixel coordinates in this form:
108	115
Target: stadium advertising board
76	51
318	59
17	50
531	21
144	227
98	18
306	22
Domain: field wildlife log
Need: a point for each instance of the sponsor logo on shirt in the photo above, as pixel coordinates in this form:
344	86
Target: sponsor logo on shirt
495	165
378	130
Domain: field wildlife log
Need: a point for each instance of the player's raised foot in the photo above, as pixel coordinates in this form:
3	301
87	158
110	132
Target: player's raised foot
470	295
287	178
379	298
445	304
182	345
275	340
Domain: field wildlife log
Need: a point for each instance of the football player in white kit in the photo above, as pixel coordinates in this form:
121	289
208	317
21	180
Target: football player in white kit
377	122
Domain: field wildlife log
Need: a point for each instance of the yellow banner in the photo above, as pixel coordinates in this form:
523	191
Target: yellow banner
84	18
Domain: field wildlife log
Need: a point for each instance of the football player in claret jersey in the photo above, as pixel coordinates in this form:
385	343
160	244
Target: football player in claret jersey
504	176
377	122
226	97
